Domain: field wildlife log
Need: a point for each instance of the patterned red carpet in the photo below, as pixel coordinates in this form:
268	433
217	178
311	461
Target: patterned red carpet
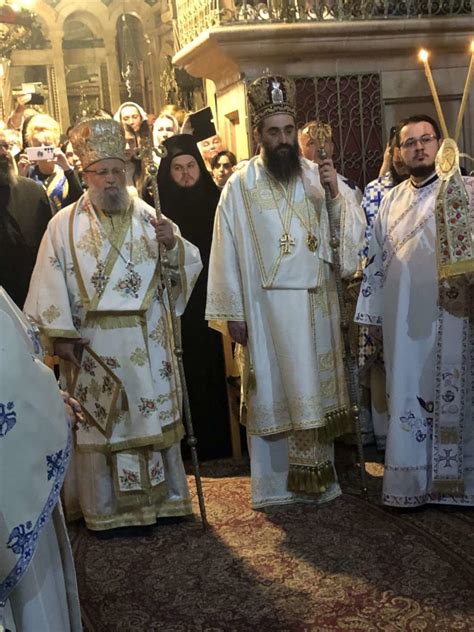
347	566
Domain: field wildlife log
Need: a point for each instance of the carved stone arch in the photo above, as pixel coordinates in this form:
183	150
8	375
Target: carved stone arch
96	22
132	45
46	17
137	8
85	61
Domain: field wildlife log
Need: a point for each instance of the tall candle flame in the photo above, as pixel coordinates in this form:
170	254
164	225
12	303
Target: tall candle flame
423	55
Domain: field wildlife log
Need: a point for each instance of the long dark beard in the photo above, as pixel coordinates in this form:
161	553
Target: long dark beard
111	202
283	162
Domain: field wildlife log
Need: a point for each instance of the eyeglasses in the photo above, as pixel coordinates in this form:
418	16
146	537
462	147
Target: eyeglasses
103	173
426	139
6	146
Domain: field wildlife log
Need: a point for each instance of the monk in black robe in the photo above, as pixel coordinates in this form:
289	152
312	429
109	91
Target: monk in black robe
189	197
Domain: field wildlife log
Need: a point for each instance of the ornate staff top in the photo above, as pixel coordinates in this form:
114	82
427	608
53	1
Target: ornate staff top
322	133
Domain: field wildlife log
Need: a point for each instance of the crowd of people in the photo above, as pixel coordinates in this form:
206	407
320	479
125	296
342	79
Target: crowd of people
84	226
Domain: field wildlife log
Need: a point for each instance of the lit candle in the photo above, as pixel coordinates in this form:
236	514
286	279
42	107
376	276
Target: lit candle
465	95
423	56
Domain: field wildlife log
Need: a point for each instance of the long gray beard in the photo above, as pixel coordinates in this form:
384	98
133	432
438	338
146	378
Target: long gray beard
110	202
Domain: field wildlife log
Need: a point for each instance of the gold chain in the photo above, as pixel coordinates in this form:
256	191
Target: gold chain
286	240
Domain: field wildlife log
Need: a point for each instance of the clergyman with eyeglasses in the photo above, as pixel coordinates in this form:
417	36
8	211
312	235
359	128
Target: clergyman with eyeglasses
425	317
97	288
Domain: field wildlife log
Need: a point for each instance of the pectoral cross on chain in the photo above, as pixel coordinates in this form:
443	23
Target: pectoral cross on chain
286	242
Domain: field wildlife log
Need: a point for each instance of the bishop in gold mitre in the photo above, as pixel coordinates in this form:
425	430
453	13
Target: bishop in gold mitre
271	288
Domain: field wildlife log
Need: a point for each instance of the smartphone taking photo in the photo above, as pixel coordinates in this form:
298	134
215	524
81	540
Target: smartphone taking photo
44	152
36	99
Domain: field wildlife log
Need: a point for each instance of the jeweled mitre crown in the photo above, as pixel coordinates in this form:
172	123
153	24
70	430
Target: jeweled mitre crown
270	95
97	139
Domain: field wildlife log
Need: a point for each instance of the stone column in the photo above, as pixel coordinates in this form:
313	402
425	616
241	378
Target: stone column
113	71
57	81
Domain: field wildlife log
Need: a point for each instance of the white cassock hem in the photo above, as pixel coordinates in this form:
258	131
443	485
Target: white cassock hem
269	463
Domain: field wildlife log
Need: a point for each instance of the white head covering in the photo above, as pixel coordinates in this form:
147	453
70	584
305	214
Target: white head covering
143	114
171	118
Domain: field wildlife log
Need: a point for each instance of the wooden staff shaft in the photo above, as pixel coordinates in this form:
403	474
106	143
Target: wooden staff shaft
350	364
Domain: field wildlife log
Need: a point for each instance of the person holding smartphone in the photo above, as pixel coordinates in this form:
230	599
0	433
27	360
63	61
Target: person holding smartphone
24	214
53	173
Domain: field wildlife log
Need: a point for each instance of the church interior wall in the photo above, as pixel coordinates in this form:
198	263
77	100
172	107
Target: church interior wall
101	18
404	90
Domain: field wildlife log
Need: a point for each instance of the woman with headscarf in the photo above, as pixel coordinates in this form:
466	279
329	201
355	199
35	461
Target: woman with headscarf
130	113
189	197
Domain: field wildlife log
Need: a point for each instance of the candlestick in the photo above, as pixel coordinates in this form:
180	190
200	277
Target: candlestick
423	56
465	95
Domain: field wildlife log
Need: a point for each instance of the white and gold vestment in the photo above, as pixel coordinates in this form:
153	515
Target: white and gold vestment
271	267
99	278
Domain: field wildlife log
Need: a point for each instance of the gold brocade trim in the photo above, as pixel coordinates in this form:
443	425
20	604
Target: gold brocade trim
151	288
449	270
337	423
145	496
140	516
446	488
171	435
115	249
340	225
127	500
115	320
221	302
449	435
59	333
269	430
75	261
312	479
181	264
224	317
333	424
267	280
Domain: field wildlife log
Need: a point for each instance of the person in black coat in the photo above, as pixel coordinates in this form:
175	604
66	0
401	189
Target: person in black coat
24	214
189	197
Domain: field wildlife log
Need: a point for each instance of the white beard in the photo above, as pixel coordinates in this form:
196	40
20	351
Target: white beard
111	201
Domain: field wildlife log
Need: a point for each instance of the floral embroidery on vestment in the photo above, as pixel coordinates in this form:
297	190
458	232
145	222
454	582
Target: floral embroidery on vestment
139	357
54	462
7	418
51	314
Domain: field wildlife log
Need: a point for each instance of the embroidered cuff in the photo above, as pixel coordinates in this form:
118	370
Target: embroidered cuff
173	254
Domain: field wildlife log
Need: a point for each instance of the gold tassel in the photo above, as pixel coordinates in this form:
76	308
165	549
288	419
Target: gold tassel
311	479
338	422
110	321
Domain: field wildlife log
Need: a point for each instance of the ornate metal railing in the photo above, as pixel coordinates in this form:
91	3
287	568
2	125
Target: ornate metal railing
352	105
195	16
